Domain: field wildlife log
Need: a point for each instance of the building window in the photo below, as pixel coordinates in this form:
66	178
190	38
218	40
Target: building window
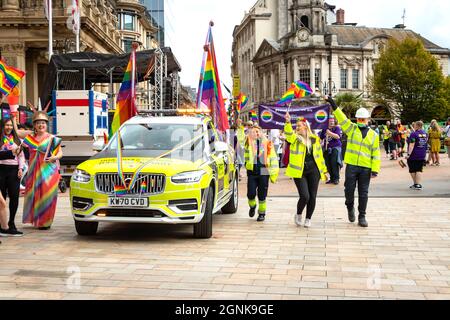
128	22
127	42
355	79
305	75
317	78
344	77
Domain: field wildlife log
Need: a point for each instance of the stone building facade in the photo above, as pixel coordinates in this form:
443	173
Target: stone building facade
24	34
336	58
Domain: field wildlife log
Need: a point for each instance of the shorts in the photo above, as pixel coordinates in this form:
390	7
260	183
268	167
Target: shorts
393	145
415	166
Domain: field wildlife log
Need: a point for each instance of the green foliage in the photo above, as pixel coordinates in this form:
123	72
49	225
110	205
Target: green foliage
349	103
411	77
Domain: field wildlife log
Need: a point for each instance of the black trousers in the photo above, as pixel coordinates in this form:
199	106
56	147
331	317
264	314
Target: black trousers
357	176
307	187
258	185
10	186
331	160
387	146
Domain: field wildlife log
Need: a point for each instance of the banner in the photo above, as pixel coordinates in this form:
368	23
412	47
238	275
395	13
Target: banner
236	86
273	117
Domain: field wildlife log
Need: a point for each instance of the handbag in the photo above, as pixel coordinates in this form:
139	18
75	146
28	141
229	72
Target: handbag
447	139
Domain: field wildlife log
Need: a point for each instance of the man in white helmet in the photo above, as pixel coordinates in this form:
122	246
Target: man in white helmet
362	157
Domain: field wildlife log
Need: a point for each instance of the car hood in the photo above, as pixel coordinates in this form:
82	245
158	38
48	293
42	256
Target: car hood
168	167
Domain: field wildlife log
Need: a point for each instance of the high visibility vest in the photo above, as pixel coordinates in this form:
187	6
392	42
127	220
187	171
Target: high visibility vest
360	152
241	135
267	153
297	154
386	133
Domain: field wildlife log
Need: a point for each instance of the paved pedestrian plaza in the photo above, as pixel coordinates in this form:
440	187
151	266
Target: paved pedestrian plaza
404	254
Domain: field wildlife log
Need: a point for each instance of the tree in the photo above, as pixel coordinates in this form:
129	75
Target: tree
349	103
408	75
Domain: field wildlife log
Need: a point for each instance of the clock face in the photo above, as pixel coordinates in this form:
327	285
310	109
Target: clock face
303	35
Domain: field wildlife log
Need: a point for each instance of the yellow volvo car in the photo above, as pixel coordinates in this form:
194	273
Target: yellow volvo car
176	171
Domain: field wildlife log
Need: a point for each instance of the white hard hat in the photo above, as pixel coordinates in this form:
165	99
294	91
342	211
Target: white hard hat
362	113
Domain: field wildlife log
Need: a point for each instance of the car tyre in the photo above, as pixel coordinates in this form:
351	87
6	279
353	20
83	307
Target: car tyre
232	206
203	229
86	228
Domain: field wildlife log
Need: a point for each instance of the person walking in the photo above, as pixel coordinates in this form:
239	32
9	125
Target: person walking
306	166
402	138
394	140
333	150
417	154
11	172
43	176
261	163
362	158
447	137
4	226
386	135
434	134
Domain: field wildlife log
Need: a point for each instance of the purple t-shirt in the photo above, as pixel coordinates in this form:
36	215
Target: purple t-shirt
420	139
333	143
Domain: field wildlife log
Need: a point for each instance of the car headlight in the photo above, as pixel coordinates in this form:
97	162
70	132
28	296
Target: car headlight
81	176
188	177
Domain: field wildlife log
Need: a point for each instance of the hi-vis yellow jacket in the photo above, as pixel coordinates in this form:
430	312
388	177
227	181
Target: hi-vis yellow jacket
360	152
267	153
241	135
297	154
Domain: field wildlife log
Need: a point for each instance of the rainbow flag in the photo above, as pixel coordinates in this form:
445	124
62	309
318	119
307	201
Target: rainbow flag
302	89
120	191
9	78
209	88
144	187
288	96
253	115
242	101
126	99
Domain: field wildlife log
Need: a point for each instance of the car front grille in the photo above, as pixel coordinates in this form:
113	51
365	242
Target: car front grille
105	182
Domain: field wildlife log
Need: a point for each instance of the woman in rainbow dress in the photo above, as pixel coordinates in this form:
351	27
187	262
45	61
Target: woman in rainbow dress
41	186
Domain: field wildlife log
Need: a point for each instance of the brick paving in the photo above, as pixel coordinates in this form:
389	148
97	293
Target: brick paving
403	255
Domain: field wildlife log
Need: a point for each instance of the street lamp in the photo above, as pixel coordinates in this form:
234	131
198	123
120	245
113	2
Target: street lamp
324	87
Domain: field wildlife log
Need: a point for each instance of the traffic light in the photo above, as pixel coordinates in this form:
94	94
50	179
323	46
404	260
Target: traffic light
167	95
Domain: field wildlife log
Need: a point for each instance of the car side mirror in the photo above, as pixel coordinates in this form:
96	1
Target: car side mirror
220	146
98	145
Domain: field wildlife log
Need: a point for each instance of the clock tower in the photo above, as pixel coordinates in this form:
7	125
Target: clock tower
310	14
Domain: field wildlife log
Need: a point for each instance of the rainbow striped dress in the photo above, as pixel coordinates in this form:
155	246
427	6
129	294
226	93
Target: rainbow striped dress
41	187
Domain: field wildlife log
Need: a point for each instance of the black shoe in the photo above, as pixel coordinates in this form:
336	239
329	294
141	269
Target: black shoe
351	215
14	233
261	217
329	182
44	228
336	183
362	222
252	212
4	233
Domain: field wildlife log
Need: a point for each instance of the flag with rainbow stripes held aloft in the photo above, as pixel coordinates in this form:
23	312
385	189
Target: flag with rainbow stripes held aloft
126	98
298	89
9	78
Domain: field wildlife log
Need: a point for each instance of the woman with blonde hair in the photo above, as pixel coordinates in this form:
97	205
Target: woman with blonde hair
306	166
434	134
41	188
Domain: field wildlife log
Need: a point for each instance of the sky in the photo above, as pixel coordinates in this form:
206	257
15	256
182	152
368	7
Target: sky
187	24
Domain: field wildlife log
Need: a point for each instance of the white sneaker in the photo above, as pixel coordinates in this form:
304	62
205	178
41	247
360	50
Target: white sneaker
308	223
298	220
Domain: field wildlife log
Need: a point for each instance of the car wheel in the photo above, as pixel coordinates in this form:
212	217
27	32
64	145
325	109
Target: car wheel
203	229
86	228
232	205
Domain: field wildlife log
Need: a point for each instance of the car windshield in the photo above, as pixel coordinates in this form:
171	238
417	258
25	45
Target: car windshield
184	140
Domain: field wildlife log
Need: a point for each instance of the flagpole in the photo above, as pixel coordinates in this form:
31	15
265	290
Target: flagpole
50	30
133	77
77	39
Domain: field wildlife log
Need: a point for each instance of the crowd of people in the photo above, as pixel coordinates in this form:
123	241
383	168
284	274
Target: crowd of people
310	157
38	152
